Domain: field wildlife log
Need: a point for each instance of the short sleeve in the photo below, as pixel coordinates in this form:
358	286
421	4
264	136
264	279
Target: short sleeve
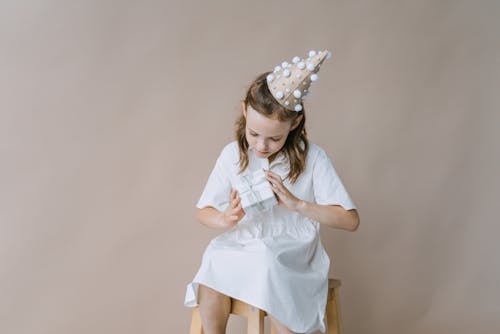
328	188
217	192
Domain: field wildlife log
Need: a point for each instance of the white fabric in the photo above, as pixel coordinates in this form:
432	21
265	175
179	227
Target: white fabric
274	260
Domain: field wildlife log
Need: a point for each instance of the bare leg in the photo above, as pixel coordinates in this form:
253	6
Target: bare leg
214	310
280	328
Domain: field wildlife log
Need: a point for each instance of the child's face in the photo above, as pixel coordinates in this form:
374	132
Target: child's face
265	136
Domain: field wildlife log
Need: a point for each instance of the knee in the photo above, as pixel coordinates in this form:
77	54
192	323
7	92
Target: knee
210	295
280	328
205	290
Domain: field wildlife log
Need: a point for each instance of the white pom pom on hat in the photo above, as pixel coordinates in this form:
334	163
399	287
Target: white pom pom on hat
290	82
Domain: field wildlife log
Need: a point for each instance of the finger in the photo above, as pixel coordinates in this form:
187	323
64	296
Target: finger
272	179
274	188
233	218
235	199
273	174
273	182
281	190
275	177
237	208
270	174
233	194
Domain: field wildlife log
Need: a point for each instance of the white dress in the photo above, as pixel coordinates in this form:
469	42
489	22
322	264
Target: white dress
274	260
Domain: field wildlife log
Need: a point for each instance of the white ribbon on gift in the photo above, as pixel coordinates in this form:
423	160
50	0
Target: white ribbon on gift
252	181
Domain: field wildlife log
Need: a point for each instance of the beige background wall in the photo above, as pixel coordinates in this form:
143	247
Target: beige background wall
112	114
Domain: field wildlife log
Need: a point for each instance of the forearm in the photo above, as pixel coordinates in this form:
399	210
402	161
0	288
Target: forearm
331	215
210	217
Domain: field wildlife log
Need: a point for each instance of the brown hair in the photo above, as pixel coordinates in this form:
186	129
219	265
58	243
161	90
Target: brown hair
296	145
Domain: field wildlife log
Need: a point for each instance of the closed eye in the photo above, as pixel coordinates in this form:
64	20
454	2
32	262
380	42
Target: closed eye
253	134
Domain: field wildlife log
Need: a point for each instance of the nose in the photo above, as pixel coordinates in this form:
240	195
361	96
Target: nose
261	146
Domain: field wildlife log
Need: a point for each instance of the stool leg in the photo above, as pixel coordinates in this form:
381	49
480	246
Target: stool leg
333	317
255	320
196	327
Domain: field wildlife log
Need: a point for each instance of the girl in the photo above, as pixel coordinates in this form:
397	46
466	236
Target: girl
274	260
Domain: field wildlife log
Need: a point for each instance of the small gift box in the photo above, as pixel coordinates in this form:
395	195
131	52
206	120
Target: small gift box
255	193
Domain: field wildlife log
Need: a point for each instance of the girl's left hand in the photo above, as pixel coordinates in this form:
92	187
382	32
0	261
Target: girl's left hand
285	198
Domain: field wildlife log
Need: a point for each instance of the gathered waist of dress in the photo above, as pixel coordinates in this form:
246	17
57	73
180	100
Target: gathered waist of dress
296	227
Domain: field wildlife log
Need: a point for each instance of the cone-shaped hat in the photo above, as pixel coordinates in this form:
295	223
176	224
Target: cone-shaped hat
290	82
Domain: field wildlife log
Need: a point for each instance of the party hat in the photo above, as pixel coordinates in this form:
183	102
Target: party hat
290	83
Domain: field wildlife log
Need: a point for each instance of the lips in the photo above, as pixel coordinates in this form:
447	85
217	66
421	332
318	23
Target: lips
262	152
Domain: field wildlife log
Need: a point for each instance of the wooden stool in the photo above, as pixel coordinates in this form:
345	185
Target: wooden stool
255	316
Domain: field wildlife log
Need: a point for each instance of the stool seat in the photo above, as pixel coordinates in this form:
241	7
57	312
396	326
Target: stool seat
255	316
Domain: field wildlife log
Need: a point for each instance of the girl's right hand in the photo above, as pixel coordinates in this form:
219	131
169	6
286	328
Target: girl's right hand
234	212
